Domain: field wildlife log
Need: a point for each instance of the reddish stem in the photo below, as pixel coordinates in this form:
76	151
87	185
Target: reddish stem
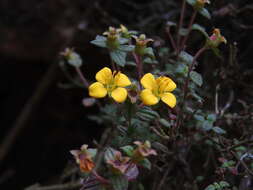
138	64
180	24
100	178
189	30
172	41
186	84
79	72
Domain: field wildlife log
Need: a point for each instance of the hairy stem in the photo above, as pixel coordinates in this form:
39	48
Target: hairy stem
180	24
180	116
83	79
138	64
189	30
172	41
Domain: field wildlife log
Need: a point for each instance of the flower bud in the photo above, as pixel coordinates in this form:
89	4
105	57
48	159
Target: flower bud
215	39
142	151
200	4
141	43
84	158
112	37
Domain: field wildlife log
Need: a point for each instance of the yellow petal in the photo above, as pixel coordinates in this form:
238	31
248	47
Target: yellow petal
97	90
169	99
104	75
165	84
148	98
148	81
119	94
121	80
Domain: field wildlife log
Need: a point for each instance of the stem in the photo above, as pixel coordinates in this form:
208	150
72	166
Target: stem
100	178
185	88
180	24
66	186
172	41
189	30
79	72
138	64
185	91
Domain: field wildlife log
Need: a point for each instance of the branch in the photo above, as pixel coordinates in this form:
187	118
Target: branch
66	186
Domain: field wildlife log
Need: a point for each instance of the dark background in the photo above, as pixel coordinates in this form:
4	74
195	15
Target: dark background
33	32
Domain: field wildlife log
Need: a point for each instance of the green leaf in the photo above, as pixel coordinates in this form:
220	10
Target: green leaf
219	130
216	52
200	29
119	57
228	164
170	23
123	40
196	96
224	184
204	12
130	63
150	112
119	182
199	117
128	150
163	51
183	31
211	117
145	116
206	125
132	32
191	2
196	78
149	51
146	163
186	57
210	187
160	146
182	69
110	154
126	48
92	152
149	61
217	186
75	60
200	178
100	41
164	123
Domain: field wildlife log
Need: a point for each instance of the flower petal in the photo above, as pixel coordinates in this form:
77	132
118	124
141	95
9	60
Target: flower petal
104	75
119	94
148	81
165	84
121	80
169	99
148	98
97	90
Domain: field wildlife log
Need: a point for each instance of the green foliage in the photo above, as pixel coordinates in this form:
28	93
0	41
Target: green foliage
201	29
146	163
174	132
204	12
218	186
100	41
119	183
119	57
196	78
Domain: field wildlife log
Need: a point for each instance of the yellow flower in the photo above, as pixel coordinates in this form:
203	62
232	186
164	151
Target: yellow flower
156	89
110	83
